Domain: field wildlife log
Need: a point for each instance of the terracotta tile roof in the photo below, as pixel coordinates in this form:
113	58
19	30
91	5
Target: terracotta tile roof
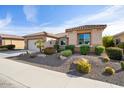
87	27
8	36
41	33
59	35
121	33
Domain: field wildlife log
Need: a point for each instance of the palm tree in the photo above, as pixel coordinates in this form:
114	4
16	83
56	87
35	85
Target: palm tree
40	44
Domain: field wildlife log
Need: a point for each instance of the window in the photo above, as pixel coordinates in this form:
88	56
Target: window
118	41
50	42
63	43
84	38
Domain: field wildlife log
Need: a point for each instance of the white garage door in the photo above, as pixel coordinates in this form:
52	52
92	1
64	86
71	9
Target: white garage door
32	46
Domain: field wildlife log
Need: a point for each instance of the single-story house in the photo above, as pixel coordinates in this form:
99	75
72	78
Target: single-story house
119	38
87	34
6	39
50	40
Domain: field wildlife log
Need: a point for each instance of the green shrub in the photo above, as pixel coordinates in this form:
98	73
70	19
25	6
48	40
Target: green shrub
105	59
122	65
2	47
83	66
114	53
121	45
99	50
66	53
108	41
9	47
49	50
109	70
84	49
61	49
70	47
57	47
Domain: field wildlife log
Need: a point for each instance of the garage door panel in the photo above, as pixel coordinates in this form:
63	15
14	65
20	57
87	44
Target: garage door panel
32	46
19	44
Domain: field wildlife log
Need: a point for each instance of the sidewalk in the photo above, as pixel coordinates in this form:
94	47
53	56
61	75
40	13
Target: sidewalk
35	77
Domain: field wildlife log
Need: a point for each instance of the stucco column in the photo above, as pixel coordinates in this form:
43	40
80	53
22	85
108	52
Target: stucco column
72	38
96	37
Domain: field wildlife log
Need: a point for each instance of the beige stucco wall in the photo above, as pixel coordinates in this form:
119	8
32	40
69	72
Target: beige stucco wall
121	37
72	36
96	37
19	44
50	42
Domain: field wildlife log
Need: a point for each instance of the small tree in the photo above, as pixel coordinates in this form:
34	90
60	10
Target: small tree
108	41
56	46
40	44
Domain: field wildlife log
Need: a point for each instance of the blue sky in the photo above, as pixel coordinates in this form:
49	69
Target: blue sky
21	20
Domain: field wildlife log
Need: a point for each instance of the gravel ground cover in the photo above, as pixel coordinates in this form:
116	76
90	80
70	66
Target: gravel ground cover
52	62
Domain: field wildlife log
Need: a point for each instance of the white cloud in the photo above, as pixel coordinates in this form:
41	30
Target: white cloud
30	13
114	27
6	21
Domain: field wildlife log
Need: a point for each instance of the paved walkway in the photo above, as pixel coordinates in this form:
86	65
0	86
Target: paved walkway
31	76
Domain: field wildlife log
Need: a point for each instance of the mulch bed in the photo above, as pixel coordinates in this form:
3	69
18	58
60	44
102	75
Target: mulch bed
52	62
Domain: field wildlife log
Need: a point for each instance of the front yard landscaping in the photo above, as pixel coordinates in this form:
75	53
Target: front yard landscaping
98	62
53	62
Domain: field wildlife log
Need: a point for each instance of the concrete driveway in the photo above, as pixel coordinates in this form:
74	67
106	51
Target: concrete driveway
11	53
31	76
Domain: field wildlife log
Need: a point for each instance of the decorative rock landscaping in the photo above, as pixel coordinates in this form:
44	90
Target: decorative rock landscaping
52	62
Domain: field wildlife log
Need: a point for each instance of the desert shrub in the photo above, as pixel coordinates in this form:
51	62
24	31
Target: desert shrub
114	53
122	65
10	47
66	53
108	41
84	49
2	47
109	70
99	50
83	66
61	49
49	50
105	59
70	47
121	45
57	47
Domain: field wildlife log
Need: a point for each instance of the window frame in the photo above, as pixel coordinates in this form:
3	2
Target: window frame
84	39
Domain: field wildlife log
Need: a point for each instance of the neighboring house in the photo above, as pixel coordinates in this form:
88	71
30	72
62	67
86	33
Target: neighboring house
6	39
50	40
119	38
